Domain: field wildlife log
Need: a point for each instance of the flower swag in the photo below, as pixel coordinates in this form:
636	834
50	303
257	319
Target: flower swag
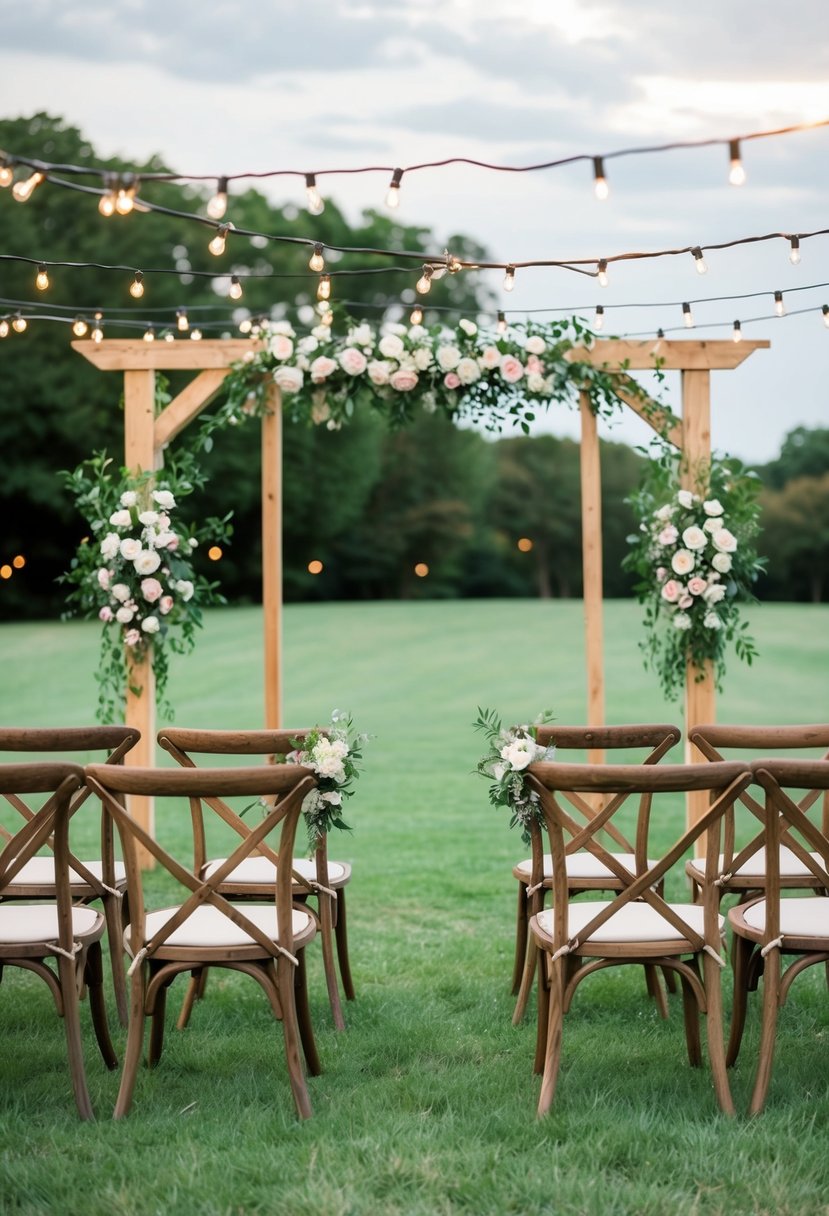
334	754
510	751
696	559
134	572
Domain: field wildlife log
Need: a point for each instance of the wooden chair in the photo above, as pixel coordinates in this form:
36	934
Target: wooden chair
584	871
203	929
323	880
768	927
57	941
101	879
637	925
741	869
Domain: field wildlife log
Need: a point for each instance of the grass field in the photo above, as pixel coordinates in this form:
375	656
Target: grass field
427	1102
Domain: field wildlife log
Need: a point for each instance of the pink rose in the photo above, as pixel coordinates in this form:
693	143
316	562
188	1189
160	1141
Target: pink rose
132	637
511	369
403	380
322	368
353	361
671	591
661	573
696	585
686	601
105	614
104	576
165	604
452	380
489	358
534	364
151	589
668	535
281	347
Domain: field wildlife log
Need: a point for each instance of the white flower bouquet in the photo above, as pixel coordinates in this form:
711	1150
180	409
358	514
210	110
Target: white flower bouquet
510	752
334	753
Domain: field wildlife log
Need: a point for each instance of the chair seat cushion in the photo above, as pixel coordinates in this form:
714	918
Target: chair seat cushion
208	927
635	922
755	866
262	871
579	865
40	872
798	917
22	923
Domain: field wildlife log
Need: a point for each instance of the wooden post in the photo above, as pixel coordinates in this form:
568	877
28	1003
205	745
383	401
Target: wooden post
272	557
591	530
700	694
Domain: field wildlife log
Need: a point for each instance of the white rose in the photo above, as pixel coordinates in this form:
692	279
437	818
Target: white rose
498	771
418	332
422	358
663	514
110	545
322	368
352	361
150	624
120	592
120	519
724	541
713	593
124	615
289	379
520	752
682	620
378	372
185	589
712	506
361	335
712	621
146	562
685	499
282	327
307	345
536	382
468	371
535	345
694	538
281	347
468	327
130	548
712	525
390	346
332	797
721	562
164	499
682	562
128	499
148	517
489	358
322	332
448	358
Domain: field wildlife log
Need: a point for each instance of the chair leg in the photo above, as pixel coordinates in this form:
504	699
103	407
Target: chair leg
521	920
341	931
690	1009
290	1032
771	1004
714	1034
112	912
552	1054
157	1027
135	1043
194	992
543	1014
303	1015
526	981
655	990
97	1006
741	950
327	942
670	979
72	1026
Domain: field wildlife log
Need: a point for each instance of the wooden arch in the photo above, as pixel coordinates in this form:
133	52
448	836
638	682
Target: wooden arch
146	436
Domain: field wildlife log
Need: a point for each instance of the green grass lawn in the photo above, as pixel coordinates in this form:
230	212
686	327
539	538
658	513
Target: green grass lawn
427	1102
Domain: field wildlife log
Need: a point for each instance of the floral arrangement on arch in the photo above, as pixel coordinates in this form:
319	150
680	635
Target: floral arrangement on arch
135	573
466	372
696	558
510	751
334	753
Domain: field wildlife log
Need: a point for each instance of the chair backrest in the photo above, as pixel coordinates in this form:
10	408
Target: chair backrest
113	741
285	785
717	743
553	782
786	822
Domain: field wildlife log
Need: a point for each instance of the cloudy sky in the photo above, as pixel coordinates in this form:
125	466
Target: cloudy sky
216	86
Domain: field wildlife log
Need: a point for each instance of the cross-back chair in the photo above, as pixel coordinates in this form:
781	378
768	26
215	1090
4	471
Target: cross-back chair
103	878
741	869
770	926
637	925
203	929
318	878
584	871
57	941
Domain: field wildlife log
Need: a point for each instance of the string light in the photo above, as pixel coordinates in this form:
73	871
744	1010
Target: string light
79	327
314	202
699	260
182	323
317	262
235	289
393	195
825	311
42	278
601	271
424	283
417	315
106	203
737	332
4	328
6	172
324	287
195	335
245	326
19	324
502	323
660	333
509	278
125	198
794	252
600	183
149	334
217	206
169	336
137	285
687	316
736	173
22	191
217	245
779	306
327	319
97	334
598	320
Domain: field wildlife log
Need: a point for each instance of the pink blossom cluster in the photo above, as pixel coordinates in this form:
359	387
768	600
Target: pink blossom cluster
692	550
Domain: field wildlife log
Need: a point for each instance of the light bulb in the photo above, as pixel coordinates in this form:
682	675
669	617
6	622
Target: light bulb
182	323
195	335
79	327
317	262
42	278
169	336
19	324
600	183
327	318
217	245
598	321
314	199
125	198
509	278
245	326
4	328
699	260
601	271
424	284
137	286
217	206
502	323
324	288
22	191
736	173
106	205
6	173
235	289
794	252
687	316
779	306
97	334
149	334
393	194
417	315
737	332
825	311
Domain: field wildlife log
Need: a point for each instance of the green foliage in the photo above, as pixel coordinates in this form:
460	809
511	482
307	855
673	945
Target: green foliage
509	752
696	559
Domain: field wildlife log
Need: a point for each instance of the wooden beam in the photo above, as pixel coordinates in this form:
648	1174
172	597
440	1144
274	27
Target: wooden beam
591	531
139	419
621	354
131	354
188	405
272	558
652	412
